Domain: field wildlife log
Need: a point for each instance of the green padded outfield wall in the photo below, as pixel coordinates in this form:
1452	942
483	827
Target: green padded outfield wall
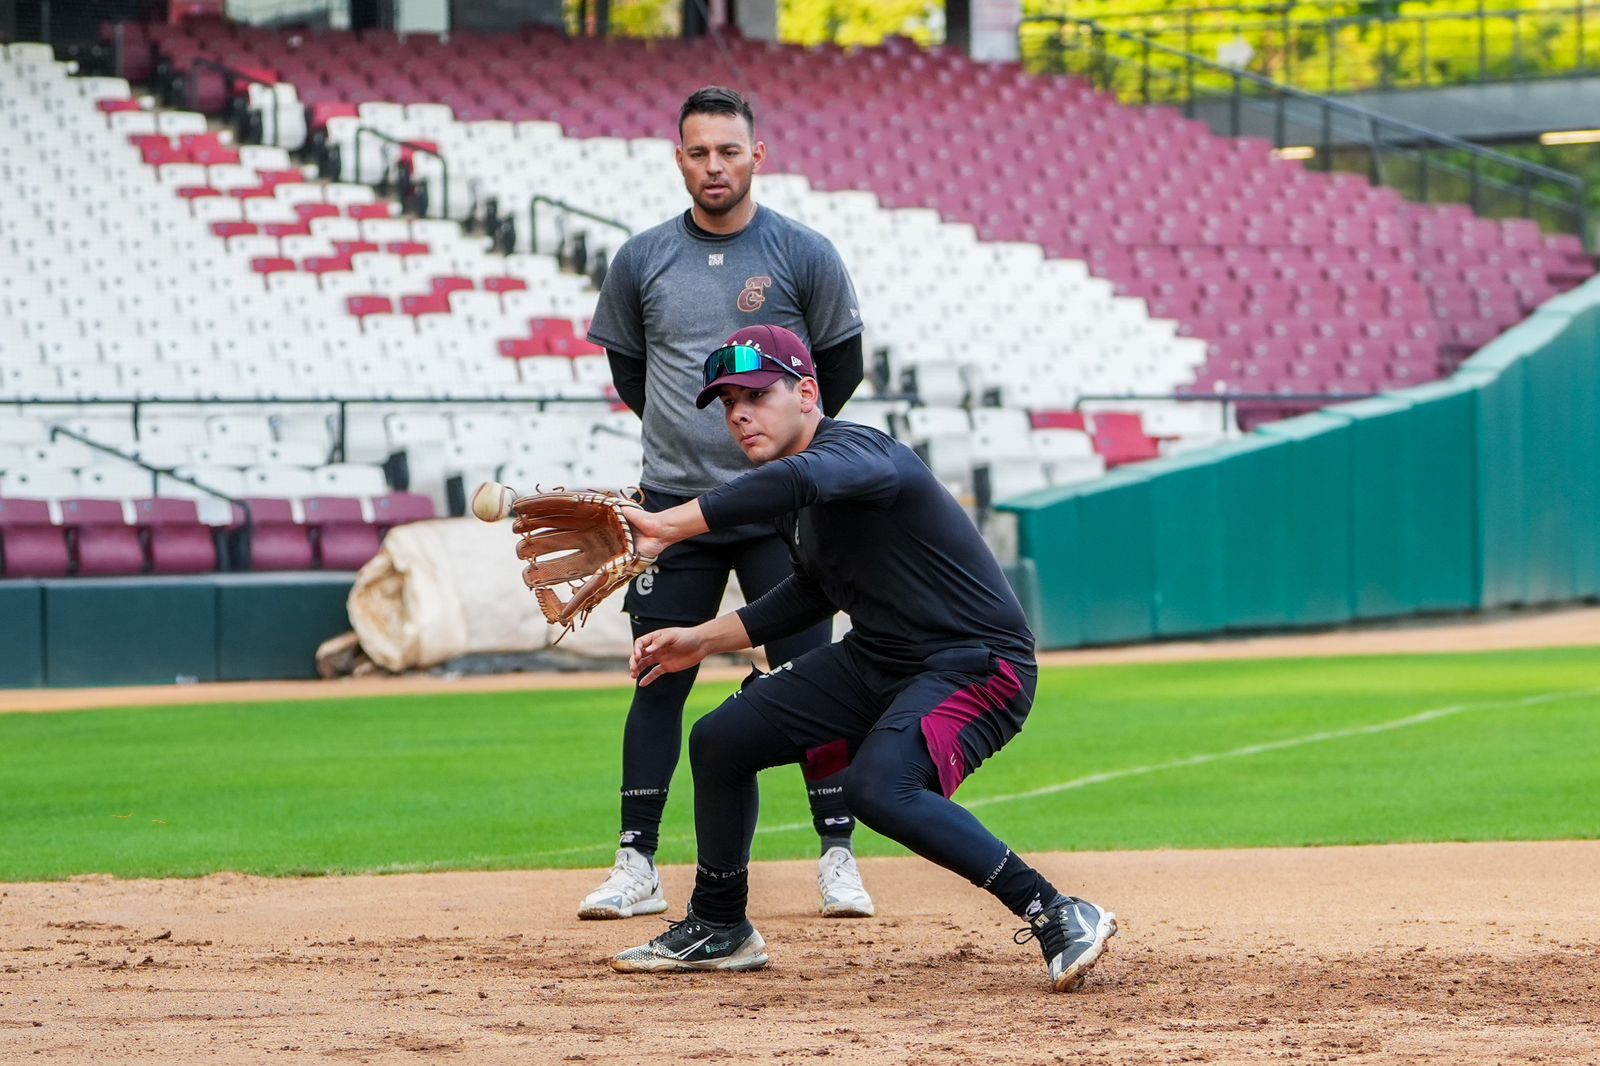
21	634
72	632
1481	491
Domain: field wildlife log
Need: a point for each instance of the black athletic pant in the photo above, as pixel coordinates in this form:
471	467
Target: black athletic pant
891	785
685	588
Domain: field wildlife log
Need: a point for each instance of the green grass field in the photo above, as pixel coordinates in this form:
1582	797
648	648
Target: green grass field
1272	752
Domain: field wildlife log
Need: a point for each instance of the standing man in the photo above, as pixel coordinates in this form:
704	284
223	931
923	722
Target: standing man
936	674
670	295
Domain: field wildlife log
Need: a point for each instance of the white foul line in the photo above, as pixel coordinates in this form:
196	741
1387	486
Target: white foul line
1101	778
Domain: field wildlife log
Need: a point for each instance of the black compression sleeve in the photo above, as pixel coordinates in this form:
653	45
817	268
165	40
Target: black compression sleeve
627	374
795	604
839	371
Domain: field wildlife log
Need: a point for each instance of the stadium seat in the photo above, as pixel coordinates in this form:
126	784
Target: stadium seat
177	541
398	508
344	539
31	545
102	542
269	537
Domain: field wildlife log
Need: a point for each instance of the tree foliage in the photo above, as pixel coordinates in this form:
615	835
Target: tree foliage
859	23
1349	45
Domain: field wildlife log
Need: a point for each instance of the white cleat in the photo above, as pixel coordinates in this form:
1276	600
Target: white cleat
632	888
839	881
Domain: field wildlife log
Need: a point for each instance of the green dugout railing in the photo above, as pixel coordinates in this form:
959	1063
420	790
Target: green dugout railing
1477	492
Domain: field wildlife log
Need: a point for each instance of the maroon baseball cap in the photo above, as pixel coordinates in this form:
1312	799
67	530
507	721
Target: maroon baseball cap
754	357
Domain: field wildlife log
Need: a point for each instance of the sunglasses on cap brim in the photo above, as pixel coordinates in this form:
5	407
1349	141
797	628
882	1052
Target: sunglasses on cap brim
741	359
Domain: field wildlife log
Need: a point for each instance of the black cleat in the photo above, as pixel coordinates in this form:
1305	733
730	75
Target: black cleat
690	944
1072	933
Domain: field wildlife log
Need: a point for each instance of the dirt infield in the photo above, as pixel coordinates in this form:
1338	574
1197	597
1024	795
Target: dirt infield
1413	953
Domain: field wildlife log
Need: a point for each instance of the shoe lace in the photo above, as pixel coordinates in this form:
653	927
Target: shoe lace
1045	927
840	871
673	925
626	876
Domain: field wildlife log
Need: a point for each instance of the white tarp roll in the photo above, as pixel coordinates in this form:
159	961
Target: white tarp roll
451	587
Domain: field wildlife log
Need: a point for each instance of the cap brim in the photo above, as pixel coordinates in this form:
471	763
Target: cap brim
750	379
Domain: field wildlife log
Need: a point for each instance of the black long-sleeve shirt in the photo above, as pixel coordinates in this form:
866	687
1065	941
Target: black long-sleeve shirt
873	534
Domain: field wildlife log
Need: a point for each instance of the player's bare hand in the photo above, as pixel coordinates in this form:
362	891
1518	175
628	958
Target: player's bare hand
648	532
666	651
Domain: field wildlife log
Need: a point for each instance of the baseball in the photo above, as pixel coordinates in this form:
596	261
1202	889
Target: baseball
491	501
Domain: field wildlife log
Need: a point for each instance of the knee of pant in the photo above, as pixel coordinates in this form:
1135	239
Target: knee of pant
709	740
868	795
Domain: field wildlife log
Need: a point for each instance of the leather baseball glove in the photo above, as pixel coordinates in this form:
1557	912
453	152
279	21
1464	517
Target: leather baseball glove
578	541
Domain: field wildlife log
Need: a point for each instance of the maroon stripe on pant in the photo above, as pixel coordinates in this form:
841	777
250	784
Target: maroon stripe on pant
942	726
825	761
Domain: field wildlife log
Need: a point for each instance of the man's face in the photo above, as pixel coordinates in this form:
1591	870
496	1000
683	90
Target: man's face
768	423
718	157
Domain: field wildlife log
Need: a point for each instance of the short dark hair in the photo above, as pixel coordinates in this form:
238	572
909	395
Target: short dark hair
715	100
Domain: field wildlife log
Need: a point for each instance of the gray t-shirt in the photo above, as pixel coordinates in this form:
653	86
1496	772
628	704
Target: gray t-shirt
671	295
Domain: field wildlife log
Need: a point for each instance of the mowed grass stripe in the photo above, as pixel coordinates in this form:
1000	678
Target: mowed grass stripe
500	780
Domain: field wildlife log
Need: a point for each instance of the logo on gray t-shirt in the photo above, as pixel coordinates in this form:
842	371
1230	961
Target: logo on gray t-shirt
672	295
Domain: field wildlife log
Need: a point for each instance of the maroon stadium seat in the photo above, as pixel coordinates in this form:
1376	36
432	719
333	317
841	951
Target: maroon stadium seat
31	545
273	540
100	538
178	542
398	508
345	540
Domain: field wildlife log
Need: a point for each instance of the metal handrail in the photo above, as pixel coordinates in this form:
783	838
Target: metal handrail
415	146
1224	397
202	63
1227	400
342	404
533	217
155	472
1381	130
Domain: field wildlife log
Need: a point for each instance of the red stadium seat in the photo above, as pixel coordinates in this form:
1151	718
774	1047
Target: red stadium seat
307	212
361	306
431	304
325	264
446	286
504	285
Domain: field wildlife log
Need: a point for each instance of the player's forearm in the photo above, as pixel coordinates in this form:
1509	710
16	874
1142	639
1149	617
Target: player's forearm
627	376
796	603
680	522
722	635
839	371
